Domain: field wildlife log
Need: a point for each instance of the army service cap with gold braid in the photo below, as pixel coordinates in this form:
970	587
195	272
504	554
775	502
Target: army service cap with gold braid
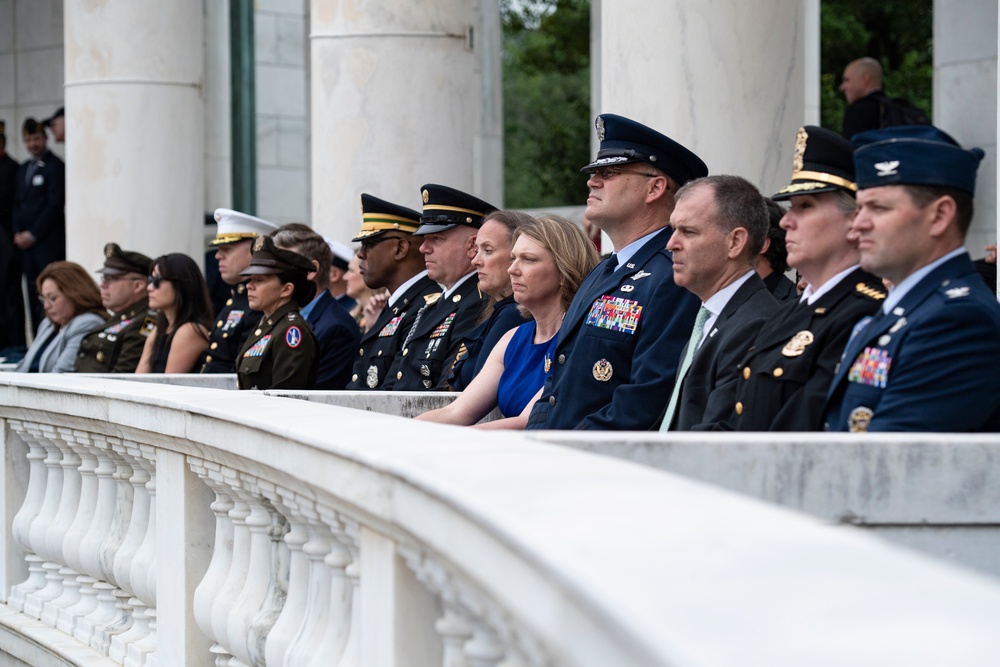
823	162
235	226
118	262
446	207
379	216
268	259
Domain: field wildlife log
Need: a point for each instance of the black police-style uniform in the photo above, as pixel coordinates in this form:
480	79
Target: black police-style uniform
619	344
426	360
785	375
281	353
232	327
116	346
384	340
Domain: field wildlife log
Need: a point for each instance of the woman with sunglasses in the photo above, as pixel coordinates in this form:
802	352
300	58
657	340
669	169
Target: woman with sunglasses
73	307
550	258
281	353
178	291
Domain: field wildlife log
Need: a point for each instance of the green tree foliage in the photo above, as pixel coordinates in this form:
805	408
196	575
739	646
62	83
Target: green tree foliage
546	57
898	34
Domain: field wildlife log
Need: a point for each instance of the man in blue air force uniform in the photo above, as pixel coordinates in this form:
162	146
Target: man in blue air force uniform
929	359
616	357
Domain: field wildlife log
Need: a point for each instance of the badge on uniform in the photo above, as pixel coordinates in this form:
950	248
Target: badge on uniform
390	328
293	337
603	370
860	419
442	329
615	313
372	379
148	325
257	349
871	368
798	344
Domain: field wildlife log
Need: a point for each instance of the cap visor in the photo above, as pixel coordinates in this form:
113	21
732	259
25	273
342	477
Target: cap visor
809	188
110	271
258	270
433	228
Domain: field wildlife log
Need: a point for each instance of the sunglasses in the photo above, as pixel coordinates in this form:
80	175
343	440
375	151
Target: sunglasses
154	281
607	173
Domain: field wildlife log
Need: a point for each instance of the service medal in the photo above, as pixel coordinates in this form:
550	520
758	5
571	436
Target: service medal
798	344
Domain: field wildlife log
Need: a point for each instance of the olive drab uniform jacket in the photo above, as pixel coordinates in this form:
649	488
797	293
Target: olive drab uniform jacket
116	345
281	353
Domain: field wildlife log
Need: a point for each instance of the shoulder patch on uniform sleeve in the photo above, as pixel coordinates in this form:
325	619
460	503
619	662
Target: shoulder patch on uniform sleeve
293	337
148	325
870	292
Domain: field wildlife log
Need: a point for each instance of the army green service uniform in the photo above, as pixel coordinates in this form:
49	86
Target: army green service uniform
116	345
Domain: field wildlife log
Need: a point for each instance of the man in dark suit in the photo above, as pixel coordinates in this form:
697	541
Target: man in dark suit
720	224
336	332
929	358
861	84
449	223
390	259
616	356
12	339
39	201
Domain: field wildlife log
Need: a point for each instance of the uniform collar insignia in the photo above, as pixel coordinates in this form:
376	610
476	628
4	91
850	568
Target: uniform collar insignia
641	274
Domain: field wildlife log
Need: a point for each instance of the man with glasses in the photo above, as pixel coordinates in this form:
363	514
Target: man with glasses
449	225
390	258
116	345
235	321
621	339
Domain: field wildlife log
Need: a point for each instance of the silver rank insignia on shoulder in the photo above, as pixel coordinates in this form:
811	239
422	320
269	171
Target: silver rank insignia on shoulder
628	288
957	292
641	274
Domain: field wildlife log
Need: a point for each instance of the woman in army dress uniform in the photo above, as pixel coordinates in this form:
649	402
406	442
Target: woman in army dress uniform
281	353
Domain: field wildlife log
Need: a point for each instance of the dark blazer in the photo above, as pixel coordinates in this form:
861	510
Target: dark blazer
708	390
426	361
232	326
384	339
780	287
8	185
865	114
616	356
931	364
115	346
11	301
281	353
784	376
478	343
338	336
39	205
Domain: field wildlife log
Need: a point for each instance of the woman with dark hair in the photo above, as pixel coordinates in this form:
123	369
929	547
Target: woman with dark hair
72	304
500	315
551	257
178	291
282	352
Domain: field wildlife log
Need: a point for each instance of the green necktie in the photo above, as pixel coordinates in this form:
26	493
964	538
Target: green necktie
692	347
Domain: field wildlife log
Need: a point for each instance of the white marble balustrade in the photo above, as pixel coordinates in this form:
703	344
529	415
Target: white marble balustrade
148	525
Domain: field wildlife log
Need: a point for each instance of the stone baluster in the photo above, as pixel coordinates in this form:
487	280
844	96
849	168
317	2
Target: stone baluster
483	649
337	617
455	629
209	588
350	537
78	530
238	569
33	500
133	562
260	602
39	529
293	611
302	647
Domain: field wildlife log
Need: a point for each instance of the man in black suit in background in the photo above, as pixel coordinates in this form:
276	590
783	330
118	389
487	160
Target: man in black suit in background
39	223
720	224
12	342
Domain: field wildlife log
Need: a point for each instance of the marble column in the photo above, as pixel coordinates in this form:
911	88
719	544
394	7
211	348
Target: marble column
727	80
965	97
399	98
135	124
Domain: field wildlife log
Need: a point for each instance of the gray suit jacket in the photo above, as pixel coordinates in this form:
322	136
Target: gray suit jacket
60	355
709	387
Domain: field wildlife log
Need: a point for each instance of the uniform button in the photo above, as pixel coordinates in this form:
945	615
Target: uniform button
746	373
208	359
562	359
100	357
552	400
379	353
739	408
354	378
361	352
399	375
219	324
778	372
257	332
406	351
214	345
229	302
225	335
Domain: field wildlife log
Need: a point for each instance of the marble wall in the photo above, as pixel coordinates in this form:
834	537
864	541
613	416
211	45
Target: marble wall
965	97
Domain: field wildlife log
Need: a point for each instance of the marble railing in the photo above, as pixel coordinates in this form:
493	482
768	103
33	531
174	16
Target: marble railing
149	524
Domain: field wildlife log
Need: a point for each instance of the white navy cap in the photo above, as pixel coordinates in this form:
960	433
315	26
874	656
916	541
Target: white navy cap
235	226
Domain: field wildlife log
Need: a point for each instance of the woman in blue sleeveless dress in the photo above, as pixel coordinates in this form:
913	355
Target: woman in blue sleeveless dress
550	258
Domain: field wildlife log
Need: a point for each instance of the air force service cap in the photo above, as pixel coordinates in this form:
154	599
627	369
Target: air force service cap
445	208
823	162
379	216
118	262
235	226
914	155
623	141
269	259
